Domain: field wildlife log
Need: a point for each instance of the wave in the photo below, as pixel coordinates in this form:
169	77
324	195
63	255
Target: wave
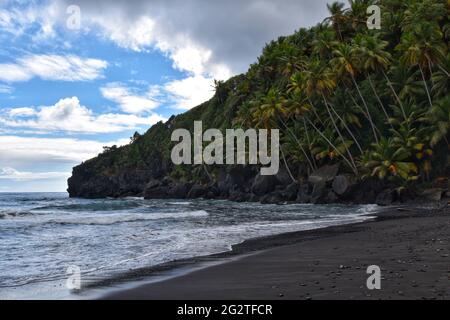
13	213
121	218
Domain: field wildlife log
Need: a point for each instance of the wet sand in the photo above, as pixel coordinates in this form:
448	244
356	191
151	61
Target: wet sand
411	247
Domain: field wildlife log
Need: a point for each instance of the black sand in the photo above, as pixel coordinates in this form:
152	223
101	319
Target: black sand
410	246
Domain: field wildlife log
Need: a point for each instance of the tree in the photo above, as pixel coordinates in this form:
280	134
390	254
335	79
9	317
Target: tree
439	116
423	48
337	17
346	65
369	51
387	161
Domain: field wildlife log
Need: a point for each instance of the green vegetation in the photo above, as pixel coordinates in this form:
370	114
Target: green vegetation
375	101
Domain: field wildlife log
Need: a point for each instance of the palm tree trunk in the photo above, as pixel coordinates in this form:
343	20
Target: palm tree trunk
286	165
332	145
338	131
298	142
309	142
443	70
348	130
378	97
315	112
426	86
395	94
369	117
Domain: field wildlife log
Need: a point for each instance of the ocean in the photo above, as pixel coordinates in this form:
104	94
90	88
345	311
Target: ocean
43	234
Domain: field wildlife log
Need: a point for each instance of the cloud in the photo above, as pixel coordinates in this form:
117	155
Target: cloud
200	36
8	173
30	151
128	101
189	92
52	67
68	115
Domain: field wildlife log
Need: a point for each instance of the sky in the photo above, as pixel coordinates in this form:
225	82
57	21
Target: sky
76	76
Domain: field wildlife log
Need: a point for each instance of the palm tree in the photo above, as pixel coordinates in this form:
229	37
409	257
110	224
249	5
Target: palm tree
273	109
346	65
323	149
372	57
324	43
337	17
441	80
439	116
423	48
319	80
389	161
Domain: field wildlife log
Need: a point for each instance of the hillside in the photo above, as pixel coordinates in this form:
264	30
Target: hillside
364	116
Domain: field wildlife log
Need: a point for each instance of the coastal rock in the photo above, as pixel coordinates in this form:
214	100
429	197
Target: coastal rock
433	194
303	194
263	185
272	198
197	191
179	190
283	177
319	191
340	184
160	192
291	191
324	174
385	198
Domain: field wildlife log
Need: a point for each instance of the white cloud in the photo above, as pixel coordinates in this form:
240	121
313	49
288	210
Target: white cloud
127	100
68	115
9	173
52	67
22	112
28	151
189	92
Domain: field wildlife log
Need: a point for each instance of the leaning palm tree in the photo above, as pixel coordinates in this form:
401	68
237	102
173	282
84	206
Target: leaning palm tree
319	80
345	64
439	116
423	48
370	53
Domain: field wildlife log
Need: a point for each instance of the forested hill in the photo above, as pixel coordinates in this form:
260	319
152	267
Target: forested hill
364	116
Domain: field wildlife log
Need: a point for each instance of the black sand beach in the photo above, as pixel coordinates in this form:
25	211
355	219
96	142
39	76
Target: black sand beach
411	246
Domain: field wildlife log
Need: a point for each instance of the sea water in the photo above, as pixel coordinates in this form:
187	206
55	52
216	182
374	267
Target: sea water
43	234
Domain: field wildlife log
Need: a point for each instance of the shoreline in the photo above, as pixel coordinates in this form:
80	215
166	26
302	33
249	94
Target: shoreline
189	277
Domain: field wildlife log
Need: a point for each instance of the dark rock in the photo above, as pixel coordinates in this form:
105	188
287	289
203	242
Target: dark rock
385	198
291	191
156	193
239	196
433	194
303	195
324	174
283	177
319	191
331	197
179	190
263	185
272	198
197	191
340	184
153	184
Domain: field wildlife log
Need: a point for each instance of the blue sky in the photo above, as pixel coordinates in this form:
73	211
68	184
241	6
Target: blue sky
69	87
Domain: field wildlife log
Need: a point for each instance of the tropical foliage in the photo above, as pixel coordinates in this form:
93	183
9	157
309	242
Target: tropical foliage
376	101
